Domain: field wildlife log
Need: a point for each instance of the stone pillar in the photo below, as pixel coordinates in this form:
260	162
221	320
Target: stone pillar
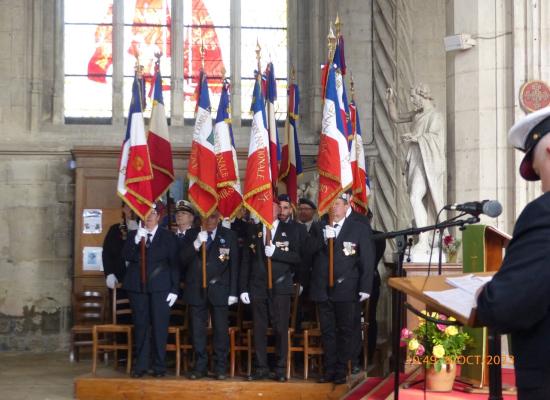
176	35
118	63
480	107
58	114
36	65
235	72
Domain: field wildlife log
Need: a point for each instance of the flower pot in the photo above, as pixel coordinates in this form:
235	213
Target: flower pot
441	381
451	258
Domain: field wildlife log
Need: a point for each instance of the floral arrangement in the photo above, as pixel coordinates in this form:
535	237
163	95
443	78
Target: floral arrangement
434	344
450	244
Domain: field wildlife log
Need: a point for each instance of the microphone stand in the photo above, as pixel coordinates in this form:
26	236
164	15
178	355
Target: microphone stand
402	242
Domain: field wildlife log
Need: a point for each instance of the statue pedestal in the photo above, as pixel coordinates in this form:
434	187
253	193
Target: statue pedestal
421	269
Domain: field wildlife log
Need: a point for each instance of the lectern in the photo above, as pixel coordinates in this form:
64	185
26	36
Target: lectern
482	251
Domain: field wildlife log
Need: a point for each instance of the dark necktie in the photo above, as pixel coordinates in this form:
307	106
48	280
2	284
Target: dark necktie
181	234
335	229
148	242
209	240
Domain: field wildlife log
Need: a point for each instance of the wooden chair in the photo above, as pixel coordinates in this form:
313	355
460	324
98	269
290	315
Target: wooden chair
179	326
88	310
240	340
120	308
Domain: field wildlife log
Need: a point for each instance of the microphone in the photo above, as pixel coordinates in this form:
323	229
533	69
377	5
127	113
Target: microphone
491	208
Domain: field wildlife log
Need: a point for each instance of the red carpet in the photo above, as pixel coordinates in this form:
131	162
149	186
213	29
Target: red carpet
381	388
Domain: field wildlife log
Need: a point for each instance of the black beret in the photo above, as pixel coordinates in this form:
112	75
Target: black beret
310	203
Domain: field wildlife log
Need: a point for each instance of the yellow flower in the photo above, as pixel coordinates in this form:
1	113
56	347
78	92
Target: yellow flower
451	330
451	319
413	345
438	351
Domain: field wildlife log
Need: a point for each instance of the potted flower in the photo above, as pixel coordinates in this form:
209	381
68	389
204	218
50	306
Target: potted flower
450	247
437	346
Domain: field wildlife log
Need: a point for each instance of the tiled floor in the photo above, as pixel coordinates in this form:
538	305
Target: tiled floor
29	376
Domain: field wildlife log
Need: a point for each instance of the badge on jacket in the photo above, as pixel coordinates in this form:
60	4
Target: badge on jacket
224	254
349	248
282	245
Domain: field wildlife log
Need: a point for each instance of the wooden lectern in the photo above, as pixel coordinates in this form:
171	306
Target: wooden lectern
482	251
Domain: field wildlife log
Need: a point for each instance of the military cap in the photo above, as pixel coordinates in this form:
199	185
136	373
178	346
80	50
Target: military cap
524	136
184	205
308	202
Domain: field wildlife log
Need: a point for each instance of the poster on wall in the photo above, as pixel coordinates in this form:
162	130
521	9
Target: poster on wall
91	221
92	259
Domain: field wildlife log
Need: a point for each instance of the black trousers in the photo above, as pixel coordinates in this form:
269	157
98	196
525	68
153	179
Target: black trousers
372	331
337	327
199	336
278	308
541	393
151	315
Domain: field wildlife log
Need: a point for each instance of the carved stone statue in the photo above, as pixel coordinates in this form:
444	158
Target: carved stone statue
425	161
310	188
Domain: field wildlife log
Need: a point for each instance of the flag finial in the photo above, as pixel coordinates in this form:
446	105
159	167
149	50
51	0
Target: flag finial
138	68
331	39
292	74
258	57
338	25
352	86
202	53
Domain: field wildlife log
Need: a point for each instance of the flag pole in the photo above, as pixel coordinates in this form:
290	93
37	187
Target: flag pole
203	247
267	231
331	48
143	264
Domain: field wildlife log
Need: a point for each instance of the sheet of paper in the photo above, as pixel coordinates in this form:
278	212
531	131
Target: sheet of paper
470	283
457	300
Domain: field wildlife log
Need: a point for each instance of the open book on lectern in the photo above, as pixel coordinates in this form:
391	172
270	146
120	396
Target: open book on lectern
461	299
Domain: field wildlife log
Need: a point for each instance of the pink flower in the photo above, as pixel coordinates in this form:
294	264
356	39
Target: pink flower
447	240
406	334
442	327
420	351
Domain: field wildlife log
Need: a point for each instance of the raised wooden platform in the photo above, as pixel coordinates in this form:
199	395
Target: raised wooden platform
121	387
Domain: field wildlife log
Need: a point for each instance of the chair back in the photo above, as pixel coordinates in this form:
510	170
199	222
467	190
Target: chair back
88	307
120	307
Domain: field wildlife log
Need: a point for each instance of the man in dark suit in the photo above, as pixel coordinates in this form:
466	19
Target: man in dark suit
353	274
114	266
220	293
151	302
517	299
284	253
184	232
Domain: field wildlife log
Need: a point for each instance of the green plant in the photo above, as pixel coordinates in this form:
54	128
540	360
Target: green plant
435	344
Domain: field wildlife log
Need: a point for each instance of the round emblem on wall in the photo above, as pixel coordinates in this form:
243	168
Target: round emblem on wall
534	95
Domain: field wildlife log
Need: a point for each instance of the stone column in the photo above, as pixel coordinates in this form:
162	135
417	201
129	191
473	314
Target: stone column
176	35
235	72
118	63
36	65
58	116
480	107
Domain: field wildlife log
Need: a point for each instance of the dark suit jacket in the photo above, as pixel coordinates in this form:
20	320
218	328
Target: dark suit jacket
352	273
161	264
517	300
308	249
221	273
113	262
284	263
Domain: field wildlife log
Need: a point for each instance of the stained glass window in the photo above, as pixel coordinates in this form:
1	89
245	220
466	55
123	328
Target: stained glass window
264	22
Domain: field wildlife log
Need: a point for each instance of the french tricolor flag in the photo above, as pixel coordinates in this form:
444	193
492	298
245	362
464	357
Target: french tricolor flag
333	162
360	190
227	167
202	161
258	190
271	97
159	142
135	170
291	160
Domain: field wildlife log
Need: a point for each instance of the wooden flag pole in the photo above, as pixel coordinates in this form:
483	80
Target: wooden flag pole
331	48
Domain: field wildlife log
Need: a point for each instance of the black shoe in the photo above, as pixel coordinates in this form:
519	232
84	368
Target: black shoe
194	375
137	374
221	377
158	374
257	376
355	370
340	381
279	378
325	379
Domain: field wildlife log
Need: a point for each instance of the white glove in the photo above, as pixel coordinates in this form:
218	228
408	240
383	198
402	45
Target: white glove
269	250
244	298
232	300
363	296
171	299
201	238
111	281
329	232
226	223
141	233
301	290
